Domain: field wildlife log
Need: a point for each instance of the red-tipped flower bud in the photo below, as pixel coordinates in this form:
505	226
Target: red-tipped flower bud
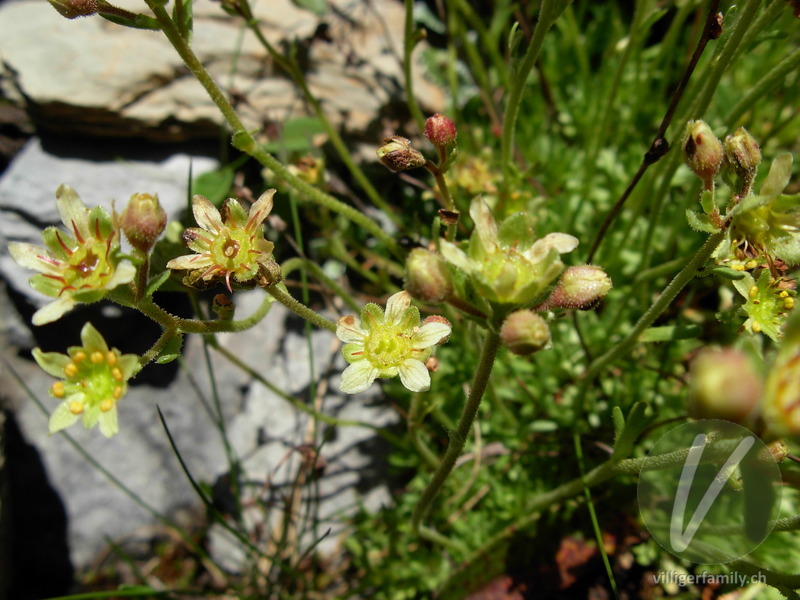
427	276
743	155
142	221
524	332
398	155
72	9
440	130
702	151
580	288
723	386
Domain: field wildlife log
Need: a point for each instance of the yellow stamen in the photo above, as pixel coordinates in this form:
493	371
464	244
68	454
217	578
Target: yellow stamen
75	407
97	357
106	405
57	389
71	370
788	303
783	294
754	291
751	264
116	373
80	356
757	327
738	267
111	358
118	392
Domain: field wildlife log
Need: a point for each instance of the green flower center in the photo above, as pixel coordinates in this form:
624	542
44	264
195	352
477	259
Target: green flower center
231	249
388	347
88	265
95	375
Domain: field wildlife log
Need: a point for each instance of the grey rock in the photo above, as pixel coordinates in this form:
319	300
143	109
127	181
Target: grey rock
94	77
5	532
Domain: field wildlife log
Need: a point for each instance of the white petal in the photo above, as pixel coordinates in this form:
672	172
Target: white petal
561	242
108	423
348	329
190	261
53	311
778	177
92	339
430	334
454	255
206	214
396	307
358	377
414	375
124	273
259	210
62	418
485	225
73	211
35	257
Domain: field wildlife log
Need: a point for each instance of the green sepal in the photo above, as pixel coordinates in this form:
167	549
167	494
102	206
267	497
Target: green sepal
100	224
61	418
45	285
700	222
778	177
410	318
235	212
171	350
51	236
156	282
371	316
92	340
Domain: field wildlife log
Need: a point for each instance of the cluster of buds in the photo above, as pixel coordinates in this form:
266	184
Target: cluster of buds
143	221
398	155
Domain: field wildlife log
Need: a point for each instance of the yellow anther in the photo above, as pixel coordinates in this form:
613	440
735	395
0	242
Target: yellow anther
783	294
756	327
111	358
80	356
71	370
97	357
788	303
118	392
753	291
57	389
738	267
756	301
116	373
106	405
76	407
751	264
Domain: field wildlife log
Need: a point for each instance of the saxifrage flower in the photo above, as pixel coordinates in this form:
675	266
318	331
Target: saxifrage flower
92	379
388	344
230	244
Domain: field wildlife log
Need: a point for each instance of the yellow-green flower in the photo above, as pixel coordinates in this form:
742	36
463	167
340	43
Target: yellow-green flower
92	379
80	265
230	244
389	344
506	264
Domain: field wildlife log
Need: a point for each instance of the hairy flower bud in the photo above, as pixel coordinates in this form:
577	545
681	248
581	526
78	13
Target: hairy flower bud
427	276
580	288
723	386
398	155
702	151
142	221
524	332
743	155
440	130
72	9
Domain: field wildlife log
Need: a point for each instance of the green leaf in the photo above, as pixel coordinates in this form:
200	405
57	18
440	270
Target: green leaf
171	351
670	332
296	136
707	202
725	273
183	16
700	222
135	22
629	429
156	283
